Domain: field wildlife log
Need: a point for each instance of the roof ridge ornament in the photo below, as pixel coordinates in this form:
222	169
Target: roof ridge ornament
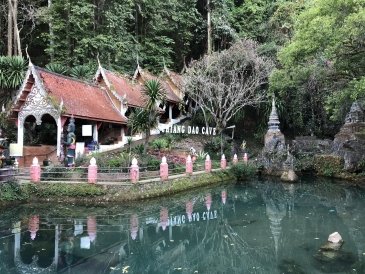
97	58
30	64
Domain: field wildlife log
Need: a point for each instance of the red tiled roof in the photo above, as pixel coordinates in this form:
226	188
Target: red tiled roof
175	78
124	87
170	94
80	99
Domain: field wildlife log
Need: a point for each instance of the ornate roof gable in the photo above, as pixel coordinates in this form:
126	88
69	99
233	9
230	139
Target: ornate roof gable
37	102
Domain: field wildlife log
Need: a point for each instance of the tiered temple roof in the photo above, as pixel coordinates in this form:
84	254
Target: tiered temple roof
80	99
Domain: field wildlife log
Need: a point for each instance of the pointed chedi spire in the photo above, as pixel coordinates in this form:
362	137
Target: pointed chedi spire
273	118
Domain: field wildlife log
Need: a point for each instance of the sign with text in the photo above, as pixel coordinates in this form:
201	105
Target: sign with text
191	130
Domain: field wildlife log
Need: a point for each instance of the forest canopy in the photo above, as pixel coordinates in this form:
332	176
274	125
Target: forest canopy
317	45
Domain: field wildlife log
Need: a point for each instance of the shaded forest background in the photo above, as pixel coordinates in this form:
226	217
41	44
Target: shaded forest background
318	46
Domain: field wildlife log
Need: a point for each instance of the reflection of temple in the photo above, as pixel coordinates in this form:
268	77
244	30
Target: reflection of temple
230	230
33	266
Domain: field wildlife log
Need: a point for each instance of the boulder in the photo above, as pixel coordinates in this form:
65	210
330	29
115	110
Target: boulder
289	176
349	143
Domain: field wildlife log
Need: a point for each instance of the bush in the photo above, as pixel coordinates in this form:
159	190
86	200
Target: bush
56	172
213	148
159	144
138	149
10	191
328	165
69	190
243	171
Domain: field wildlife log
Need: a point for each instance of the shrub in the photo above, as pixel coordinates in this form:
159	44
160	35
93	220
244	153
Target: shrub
243	171
328	165
10	191
56	172
138	149
159	144
213	148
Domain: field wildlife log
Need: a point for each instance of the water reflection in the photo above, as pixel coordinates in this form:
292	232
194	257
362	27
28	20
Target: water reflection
261	227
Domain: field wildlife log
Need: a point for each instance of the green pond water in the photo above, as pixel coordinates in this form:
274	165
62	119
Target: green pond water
262	226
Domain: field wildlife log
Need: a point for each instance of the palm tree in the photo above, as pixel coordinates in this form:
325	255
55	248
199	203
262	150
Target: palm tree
143	120
12	70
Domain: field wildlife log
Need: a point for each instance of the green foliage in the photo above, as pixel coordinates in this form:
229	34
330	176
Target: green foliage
243	171
213	148
151	163
12	71
57	68
68	190
10	191
328	165
138	149
56	173
9	130
159	144
115	160
84	72
323	65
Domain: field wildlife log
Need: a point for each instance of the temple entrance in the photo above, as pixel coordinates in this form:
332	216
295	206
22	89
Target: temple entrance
43	134
39	140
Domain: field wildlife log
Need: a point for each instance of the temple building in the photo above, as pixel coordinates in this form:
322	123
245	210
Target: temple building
174	97
46	101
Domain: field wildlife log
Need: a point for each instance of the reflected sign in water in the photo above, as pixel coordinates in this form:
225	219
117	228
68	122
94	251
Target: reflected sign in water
256	227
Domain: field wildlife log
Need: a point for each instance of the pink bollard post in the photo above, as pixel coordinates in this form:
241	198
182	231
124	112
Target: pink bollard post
189	165
223	162
35	171
92	172
245	158
164	169
134	175
235	159
208	164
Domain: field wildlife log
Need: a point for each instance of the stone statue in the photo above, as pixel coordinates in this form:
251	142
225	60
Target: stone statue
71	143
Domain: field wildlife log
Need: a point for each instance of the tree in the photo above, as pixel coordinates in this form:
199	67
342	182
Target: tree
12	71
223	83
322	68
145	119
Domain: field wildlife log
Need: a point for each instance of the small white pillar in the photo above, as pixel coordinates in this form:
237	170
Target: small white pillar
20	132
170	112
59	132
95	133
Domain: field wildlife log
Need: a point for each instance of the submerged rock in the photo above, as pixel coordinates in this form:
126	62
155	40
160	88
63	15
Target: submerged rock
330	259
290	266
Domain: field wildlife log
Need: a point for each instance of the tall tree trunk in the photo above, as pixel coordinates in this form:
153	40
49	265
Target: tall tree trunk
50	26
17	45
10	28
146	140
209	29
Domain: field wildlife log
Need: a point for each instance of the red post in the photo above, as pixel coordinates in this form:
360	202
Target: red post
235	159
92	172
134	175
245	158
223	162
164	169
35	171
208	164
189	165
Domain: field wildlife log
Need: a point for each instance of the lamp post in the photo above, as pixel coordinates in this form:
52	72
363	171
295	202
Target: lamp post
15	150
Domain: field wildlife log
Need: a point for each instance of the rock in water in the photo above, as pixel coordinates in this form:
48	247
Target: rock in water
289	176
334	242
